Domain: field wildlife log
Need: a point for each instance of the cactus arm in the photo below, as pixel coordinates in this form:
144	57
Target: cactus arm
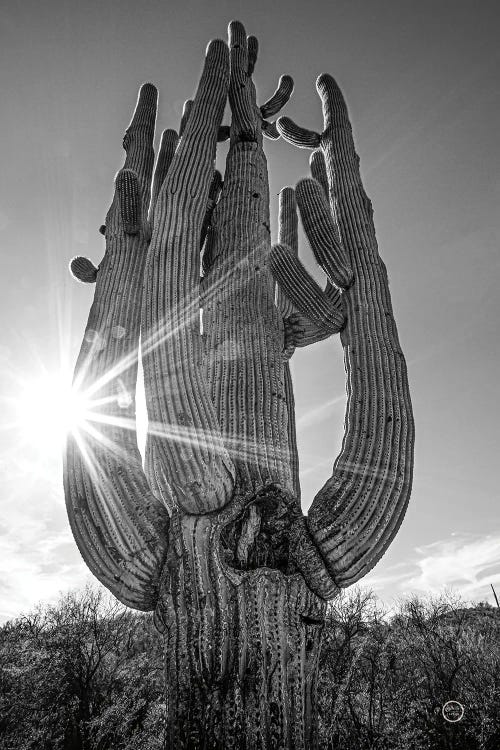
187	461
250	120
287	220
301	137
246	123
303	291
318	170
168	144
322	232
274	105
299	330
279	98
270	130
186	111
82	269
252	52
302	332
138	142
243	328
322	313
119	526
127	189
355	516
287	235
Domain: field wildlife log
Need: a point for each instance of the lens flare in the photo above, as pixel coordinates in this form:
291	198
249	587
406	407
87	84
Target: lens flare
48	407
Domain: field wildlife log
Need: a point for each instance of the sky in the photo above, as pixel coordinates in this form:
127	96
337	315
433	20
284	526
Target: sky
421	82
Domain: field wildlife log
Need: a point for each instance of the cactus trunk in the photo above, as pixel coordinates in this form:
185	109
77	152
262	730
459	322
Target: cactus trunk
241	648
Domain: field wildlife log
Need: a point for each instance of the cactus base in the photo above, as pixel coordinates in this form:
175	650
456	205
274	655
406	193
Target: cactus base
241	648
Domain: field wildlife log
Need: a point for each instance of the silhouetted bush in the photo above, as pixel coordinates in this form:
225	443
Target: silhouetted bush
86	674
83	675
383	682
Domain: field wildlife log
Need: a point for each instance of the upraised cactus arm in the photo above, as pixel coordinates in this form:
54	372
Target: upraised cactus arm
356	514
243	330
119	526
168	144
312	317
187	462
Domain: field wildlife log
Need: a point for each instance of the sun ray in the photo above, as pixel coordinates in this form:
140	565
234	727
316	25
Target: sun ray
51	404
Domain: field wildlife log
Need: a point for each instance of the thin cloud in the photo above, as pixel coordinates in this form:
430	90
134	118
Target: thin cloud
38	557
464	563
316	466
458	561
49	569
319	413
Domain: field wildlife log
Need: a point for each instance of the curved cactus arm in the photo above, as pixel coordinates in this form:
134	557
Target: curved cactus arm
323	233
280	97
119	526
293	330
274	105
187	461
356	514
303	291
301	137
302	332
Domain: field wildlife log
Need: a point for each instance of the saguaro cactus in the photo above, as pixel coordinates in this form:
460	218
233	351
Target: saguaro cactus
210	534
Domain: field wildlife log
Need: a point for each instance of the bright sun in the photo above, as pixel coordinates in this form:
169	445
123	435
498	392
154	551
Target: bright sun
48	408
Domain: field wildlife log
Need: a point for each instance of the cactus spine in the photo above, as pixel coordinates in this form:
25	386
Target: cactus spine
210	535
